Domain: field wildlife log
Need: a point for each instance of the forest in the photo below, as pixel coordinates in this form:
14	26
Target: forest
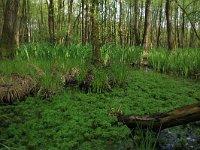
100	74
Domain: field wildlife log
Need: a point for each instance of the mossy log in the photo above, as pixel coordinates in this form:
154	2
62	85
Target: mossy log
157	122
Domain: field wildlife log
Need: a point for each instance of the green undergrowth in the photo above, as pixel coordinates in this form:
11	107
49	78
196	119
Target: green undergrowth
47	64
75	120
182	62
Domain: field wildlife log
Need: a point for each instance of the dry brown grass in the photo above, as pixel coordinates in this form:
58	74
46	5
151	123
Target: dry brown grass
15	88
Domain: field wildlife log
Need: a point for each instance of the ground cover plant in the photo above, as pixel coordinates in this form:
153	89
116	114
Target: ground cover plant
75	120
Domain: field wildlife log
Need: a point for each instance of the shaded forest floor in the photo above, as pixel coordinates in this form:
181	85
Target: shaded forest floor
75	120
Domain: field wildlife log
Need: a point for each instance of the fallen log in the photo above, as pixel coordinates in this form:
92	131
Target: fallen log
158	122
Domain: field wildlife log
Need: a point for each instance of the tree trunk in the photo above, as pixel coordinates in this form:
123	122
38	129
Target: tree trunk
24	23
68	37
51	21
1	17
10	34
114	24
59	21
83	22
28	20
136	25
131	25
169	24
86	22
160	25
177	28
121	17
154	27
96	53
183	28
157	122
146	25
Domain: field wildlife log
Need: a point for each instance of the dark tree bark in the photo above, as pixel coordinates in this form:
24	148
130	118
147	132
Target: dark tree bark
10	34
169	24
68	36
183	27
24	23
83	22
1	17
157	122
136	24
146	25
160	24
86	22
51	21
114	24
59	20
96	53
121	17
177	28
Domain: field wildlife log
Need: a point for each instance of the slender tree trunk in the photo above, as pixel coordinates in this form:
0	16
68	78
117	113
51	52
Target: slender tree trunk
146	25
160	24
10	34
105	35
1	17
96	53
83	23
68	37
51	21
121	22
29	20
169	24
131	26
114	25
24	23
86	22
154	27
141	18
177	24
183	27
136	25
59	21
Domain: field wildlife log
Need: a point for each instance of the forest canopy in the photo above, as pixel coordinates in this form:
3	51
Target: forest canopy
119	21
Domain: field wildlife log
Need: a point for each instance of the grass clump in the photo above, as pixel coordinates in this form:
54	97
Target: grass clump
182	62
